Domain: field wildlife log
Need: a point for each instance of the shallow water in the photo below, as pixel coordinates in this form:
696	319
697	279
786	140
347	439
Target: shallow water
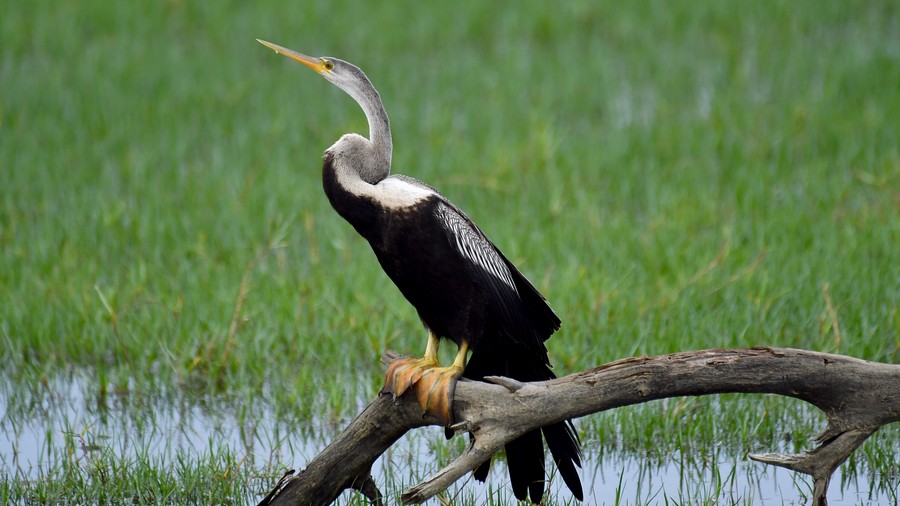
161	431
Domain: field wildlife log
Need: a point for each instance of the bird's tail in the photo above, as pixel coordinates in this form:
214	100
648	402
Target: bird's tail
525	455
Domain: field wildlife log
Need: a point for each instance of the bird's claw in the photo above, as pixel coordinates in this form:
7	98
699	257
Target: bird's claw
404	373
433	385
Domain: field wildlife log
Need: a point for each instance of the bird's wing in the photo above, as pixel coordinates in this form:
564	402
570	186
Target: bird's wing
522	312
474	246
468	239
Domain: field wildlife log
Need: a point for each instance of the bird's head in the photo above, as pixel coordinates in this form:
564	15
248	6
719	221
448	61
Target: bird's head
344	75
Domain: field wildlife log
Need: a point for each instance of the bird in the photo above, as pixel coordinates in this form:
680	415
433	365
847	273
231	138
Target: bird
462	286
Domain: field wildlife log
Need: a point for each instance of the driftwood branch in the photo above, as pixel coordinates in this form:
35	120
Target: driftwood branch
857	397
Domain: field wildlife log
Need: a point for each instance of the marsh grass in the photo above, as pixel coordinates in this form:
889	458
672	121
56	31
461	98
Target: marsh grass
672	176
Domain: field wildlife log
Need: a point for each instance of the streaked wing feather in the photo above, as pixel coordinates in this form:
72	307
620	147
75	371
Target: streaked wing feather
474	246
497	275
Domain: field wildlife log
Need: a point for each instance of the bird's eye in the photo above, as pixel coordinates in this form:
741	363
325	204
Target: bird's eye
328	65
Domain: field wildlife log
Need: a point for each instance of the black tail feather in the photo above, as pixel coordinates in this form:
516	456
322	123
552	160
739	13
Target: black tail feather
525	459
525	456
563	443
480	473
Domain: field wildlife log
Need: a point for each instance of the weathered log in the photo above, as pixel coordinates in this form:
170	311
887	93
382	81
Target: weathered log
856	396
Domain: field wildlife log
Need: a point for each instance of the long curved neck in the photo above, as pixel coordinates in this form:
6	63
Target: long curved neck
379	125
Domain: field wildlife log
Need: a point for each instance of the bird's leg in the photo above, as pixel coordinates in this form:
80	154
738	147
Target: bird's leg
437	398
434	385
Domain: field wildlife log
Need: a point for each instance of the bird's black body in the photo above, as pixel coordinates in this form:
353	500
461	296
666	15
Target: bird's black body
465	289
456	298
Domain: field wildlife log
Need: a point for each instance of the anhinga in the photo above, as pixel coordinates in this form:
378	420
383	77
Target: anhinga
462	286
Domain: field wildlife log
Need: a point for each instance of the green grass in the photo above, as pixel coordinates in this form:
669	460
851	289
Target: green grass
672	176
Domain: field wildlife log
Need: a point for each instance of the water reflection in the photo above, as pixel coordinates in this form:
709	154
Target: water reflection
58	419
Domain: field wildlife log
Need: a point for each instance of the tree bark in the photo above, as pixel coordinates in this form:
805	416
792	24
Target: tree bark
857	397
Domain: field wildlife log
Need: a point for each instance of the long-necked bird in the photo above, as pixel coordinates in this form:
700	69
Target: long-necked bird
461	285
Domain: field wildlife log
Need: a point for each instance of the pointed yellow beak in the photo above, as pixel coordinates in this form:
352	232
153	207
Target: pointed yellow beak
314	63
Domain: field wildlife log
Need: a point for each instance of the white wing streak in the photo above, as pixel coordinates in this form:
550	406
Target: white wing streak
472	244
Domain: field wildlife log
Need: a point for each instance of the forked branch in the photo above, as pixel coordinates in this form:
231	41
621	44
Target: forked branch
857	397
